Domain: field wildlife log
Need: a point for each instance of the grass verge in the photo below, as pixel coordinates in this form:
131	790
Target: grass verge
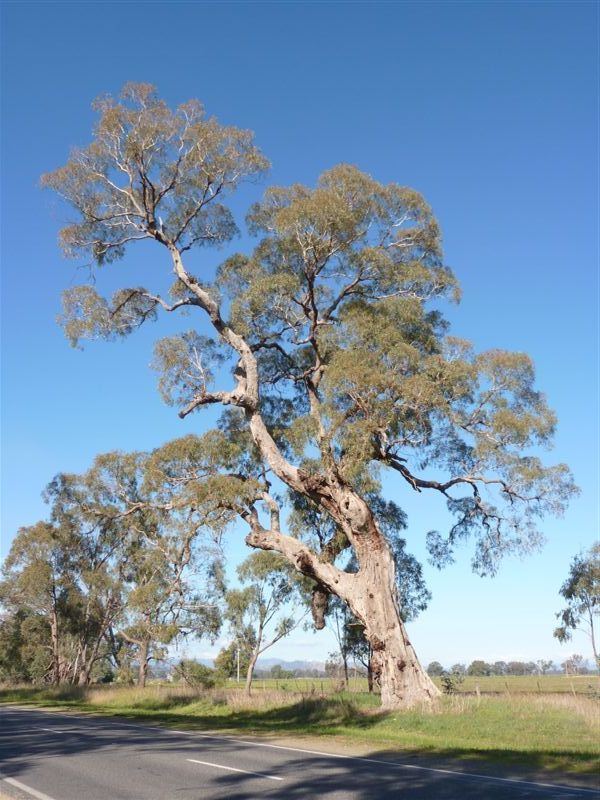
546	734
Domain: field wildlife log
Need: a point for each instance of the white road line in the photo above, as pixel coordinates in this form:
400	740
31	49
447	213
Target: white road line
455	773
64	729
437	770
27	789
234	769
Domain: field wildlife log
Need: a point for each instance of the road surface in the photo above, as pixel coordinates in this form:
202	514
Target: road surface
53	756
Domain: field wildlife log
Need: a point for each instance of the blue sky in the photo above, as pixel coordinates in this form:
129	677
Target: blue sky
489	109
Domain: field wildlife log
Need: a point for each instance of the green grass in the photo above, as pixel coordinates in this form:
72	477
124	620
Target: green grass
541	733
510	684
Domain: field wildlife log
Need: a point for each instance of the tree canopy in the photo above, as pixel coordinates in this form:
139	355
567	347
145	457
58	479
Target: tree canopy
327	351
116	567
581	590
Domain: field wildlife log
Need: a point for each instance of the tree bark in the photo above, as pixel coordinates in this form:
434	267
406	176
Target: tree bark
55	647
404	682
593	638
250	673
345	663
143	664
372	596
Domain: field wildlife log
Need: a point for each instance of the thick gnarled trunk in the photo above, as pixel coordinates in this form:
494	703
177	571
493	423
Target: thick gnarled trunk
403	681
371	595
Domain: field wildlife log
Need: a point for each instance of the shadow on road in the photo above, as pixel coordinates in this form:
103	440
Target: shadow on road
385	774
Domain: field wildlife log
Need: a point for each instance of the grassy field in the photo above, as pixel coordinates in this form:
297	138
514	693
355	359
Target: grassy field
510	684
544	733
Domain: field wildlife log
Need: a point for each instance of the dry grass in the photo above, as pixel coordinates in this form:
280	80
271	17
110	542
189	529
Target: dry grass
548	732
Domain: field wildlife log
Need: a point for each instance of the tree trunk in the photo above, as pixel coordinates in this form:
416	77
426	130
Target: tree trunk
84	675
143	664
372	596
55	647
593	638
404	682
345	663
370	673
250	673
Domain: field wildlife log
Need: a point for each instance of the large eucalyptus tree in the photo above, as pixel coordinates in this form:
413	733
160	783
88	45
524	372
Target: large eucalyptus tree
341	366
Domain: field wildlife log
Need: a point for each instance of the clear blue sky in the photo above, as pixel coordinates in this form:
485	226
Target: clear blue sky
489	109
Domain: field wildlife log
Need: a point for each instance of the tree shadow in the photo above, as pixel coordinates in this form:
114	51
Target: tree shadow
383	773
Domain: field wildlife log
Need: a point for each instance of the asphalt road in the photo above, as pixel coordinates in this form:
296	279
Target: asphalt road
68	757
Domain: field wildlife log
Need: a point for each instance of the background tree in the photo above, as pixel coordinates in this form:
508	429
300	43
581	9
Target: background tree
39	587
574	664
262	605
163	601
581	590
279	673
340	621
341	366
334	668
452	679
25	646
544	665
123	557
194	674
237	652
479	668
435	669
165	559
521	668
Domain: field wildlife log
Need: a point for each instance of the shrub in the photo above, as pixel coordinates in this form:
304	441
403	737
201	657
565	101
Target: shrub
451	681
195	674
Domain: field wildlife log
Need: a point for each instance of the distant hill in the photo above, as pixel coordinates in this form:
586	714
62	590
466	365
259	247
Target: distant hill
267	663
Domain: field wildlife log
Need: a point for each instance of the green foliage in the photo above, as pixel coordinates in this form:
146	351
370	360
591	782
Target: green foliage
342	365
185	364
479	667
151	169
226	661
24	646
195	674
581	590
451	681
435	669
256	612
122	568
279	673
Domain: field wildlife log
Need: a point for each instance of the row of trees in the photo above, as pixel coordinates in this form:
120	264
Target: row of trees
129	562
105	583
478	668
